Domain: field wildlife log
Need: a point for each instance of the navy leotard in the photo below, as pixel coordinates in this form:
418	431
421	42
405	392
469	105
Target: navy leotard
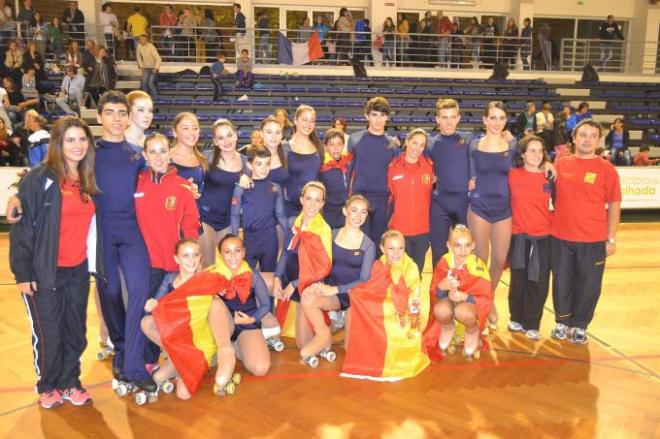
257	305
302	168
490	199
350	267
195	172
215	202
279	175
336	184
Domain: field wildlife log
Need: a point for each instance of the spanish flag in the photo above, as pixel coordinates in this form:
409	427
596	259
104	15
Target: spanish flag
182	319
342	164
383	344
315	263
473	279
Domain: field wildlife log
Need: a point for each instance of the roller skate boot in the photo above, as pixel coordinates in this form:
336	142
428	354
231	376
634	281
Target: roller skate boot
120	384
328	355
311	361
107	350
147	391
229	388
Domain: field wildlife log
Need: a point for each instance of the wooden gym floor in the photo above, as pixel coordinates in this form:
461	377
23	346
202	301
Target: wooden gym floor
609	388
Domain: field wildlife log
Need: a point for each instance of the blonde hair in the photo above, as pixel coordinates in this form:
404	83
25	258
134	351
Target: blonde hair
415	132
389	234
313	184
459	230
443	104
356	197
156	136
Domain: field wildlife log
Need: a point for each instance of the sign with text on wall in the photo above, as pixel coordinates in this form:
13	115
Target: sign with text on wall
640	187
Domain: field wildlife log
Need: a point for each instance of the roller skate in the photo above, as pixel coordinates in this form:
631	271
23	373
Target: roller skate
328	355
147	391
311	361
337	320
471	346
445	341
272	336
120	384
107	350
229	388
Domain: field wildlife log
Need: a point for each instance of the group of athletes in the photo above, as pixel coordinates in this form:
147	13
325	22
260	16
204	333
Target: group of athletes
239	237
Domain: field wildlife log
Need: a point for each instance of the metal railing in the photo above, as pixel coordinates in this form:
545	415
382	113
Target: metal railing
614	56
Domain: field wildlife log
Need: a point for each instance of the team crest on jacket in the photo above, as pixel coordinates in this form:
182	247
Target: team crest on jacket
273	189
426	179
170	202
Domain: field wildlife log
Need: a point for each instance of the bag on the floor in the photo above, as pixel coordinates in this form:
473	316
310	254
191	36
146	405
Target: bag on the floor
589	74
358	68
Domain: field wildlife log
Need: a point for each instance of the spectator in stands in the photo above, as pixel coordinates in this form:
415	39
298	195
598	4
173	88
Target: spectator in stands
16	100
561	137
617	141
38	33
545	124
256	138
582	113
304	31
186	34
642	158
74	20
526	121
103	76
110	24
73	55
14	60
22	133
25	14
341	125
33	59
263	26
244	70
4	106
511	43
148	61
343	26
609	31
403	33
29	88
239	20
37	140
388	41
209	34
427	41
9	151
491	33
475	31
282	116
443	31
6	23
363	39
88	57
56	39
217	70
167	19
544	35
526	43
457	46
136	25
71	90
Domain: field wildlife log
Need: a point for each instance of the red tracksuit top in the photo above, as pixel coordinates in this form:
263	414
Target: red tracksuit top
410	185
166	212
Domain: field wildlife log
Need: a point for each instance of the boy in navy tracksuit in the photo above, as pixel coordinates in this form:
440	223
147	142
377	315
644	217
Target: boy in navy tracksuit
449	151
117	167
335	174
373	151
262	208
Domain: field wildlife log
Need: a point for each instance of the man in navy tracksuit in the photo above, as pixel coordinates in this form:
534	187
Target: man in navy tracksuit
449	151
373	151
117	167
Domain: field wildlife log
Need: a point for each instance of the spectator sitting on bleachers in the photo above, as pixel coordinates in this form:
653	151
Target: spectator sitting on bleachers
561	137
617	141
73	55
21	134
17	103
14	60
642	158
29	89
9	152
33	59
582	113
38	140
526	121
4	106
74	20
244	70
544	124
71	90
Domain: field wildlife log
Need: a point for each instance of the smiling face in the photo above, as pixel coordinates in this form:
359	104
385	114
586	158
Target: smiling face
232	253
393	248
356	213
415	147
224	137
448	119
586	141
306	122
334	147
189	258
272	135
186	132
260	167
157	154
75	145
495	121
142	113
377	121
312	200
461	246
533	155
114	119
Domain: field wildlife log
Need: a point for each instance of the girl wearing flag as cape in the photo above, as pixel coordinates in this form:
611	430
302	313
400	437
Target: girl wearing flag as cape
306	258
387	313
461	291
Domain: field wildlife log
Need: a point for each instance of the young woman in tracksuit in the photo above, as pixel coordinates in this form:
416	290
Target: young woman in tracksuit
166	212
304	154
335	175
373	151
410	181
225	171
52	250
529	256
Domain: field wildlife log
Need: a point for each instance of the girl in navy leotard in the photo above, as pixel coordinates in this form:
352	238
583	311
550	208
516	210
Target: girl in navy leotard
353	255
225	170
335	175
190	163
271	132
304	154
489	212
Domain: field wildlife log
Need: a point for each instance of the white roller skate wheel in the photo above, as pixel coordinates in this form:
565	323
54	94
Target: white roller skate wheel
114	384
236	379
152	397
168	387
218	390
330	356
313	362
122	389
100	356
141	398
278	346
230	388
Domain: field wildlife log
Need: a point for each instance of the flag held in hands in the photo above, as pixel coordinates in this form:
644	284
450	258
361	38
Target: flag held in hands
298	54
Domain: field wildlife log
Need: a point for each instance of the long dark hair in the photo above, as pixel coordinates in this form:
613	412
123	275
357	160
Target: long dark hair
313	137
280	147
55	158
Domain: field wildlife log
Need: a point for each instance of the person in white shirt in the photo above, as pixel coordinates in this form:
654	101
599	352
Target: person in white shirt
4	104
72	88
110	26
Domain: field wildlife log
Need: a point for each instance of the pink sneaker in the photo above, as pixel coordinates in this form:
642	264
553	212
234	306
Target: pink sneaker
151	368
50	399
76	396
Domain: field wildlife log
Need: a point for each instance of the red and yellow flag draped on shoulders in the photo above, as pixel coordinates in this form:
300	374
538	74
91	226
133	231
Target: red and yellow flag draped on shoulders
182	319
473	279
383	345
